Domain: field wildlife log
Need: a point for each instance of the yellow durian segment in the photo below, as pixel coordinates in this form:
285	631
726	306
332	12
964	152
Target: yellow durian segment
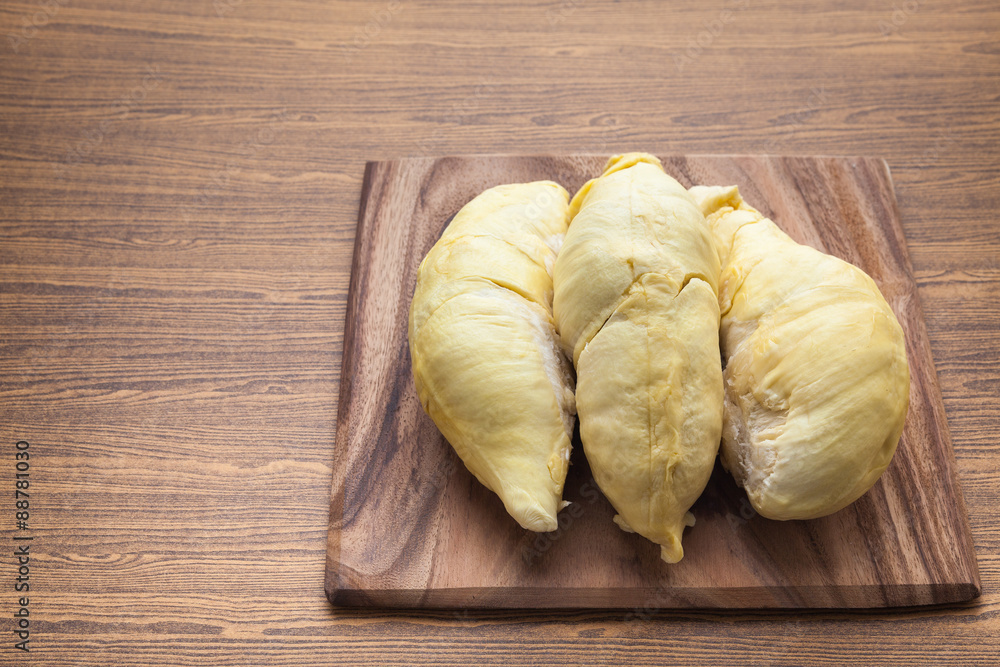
486	360
636	307
816	377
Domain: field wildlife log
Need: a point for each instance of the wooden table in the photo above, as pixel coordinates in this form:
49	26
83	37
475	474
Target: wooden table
179	186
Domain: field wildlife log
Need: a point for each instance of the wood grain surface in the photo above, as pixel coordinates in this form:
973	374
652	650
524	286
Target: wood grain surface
179	190
411	527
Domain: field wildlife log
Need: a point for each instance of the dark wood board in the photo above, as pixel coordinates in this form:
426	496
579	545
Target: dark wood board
410	527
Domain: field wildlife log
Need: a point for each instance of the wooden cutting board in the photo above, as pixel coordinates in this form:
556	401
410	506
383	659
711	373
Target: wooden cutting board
410	527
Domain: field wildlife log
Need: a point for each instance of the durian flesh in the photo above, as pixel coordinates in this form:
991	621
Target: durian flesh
637	309
486	360
816	377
